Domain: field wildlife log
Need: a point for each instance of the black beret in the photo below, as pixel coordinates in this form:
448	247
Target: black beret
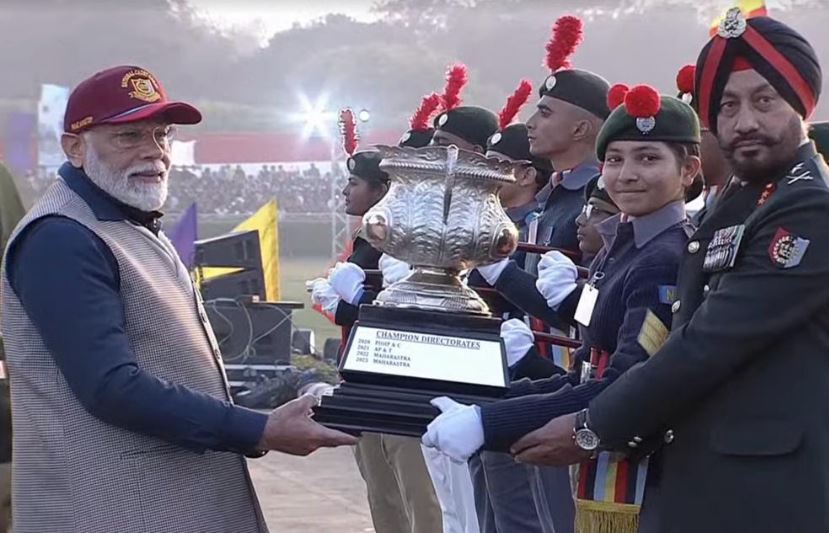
366	165
514	143
595	189
416	138
472	124
580	88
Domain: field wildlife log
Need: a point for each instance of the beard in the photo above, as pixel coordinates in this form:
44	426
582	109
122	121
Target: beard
779	154
125	188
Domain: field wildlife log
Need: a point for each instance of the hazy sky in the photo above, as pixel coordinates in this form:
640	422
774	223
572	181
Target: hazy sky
266	17
278	15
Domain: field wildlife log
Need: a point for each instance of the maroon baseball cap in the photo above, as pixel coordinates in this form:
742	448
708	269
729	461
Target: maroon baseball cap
119	95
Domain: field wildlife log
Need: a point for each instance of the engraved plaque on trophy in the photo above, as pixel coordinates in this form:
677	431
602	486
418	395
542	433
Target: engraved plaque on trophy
429	334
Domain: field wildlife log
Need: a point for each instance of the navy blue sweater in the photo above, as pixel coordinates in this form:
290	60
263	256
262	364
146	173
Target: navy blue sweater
640	263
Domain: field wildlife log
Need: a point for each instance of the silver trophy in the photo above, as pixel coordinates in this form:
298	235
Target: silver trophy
441	215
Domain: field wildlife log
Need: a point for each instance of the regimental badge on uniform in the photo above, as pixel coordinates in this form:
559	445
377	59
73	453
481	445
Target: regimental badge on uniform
722	250
787	250
799	173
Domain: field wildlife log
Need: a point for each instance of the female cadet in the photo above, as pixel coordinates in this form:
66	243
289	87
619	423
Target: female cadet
650	151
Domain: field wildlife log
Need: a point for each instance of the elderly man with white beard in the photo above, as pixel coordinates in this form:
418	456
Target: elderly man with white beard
120	406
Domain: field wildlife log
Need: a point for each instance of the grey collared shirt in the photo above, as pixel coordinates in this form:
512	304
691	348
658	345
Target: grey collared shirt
560	205
645	228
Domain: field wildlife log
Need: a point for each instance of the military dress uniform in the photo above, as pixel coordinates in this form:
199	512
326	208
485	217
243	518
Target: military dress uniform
736	393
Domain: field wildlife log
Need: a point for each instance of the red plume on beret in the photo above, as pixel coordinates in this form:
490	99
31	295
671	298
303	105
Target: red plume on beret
642	101
420	119
567	35
685	79
616	95
348	129
456	79
514	104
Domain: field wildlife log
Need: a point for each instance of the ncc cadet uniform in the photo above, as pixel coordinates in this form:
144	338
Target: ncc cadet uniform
453	482
738	392
559	203
506	492
401	496
632	283
561	200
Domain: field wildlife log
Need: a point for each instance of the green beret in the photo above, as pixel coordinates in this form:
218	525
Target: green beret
646	116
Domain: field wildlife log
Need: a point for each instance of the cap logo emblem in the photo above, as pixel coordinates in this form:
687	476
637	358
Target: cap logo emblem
143	85
645	124
143	89
351	164
444	118
550	82
733	25
495	139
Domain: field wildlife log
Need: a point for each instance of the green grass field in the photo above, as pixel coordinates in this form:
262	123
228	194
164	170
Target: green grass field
294	272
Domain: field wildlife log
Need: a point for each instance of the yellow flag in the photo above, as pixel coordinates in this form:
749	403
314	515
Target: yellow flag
265	222
750	8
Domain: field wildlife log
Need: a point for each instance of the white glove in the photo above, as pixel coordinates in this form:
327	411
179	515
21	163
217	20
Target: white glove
347	280
324	295
557	276
458	432
492	272
393	269
317	389
518	339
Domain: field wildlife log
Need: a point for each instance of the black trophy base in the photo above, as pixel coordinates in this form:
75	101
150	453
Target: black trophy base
399	404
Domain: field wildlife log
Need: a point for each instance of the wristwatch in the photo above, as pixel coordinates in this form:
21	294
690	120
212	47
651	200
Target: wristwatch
584	437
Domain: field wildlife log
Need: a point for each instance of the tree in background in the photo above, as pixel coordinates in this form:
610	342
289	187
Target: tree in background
385	65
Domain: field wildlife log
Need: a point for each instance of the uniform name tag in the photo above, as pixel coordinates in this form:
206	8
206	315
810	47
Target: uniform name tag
584	310
722	250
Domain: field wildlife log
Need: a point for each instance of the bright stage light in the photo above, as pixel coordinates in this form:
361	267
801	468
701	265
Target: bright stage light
316	120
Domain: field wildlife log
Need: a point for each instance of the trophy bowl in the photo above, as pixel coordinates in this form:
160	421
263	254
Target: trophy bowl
441	215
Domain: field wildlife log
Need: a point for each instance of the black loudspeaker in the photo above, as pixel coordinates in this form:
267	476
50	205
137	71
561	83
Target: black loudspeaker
251	333
331	349
236	250
239	250
303	341
243	283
